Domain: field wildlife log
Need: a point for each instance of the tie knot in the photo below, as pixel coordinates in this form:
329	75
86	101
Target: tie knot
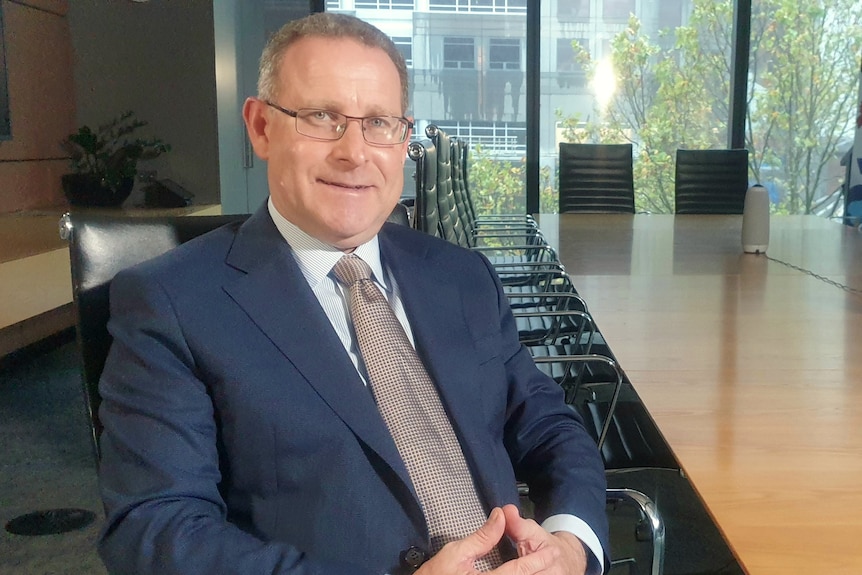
350	269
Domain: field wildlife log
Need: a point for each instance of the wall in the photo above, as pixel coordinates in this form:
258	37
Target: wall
41	101
157	59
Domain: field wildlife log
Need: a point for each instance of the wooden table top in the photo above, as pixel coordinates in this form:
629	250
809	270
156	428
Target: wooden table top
751	368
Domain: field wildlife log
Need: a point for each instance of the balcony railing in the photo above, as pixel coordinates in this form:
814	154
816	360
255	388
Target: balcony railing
497	138
479	6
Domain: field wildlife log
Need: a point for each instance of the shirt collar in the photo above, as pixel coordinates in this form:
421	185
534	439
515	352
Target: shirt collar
316	258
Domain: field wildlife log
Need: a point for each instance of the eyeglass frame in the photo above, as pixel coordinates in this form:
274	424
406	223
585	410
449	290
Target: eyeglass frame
295	115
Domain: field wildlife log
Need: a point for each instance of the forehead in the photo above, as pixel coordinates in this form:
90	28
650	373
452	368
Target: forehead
339	73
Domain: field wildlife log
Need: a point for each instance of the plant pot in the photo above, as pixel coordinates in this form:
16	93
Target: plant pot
87	190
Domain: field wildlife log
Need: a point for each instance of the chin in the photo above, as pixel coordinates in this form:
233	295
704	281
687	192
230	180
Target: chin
354	227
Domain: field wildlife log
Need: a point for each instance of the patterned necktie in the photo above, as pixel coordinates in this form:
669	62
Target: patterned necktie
411	408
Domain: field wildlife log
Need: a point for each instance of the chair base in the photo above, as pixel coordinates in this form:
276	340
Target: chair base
50	522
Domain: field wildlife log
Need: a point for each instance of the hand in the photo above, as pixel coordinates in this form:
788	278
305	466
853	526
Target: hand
457	557
558	553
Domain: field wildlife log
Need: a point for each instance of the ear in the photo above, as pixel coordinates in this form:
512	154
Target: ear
255	113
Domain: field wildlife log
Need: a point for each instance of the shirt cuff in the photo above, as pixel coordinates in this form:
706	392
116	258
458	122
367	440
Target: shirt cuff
579	528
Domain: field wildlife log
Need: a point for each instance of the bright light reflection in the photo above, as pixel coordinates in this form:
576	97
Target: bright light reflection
604	83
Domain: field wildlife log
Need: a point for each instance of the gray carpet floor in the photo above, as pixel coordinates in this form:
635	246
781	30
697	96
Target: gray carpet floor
46	462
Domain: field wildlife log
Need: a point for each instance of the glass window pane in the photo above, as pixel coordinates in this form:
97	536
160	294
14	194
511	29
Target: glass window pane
467	77
405	46
573	9
458	53
504	54
803	81
659	79
570	70
618	9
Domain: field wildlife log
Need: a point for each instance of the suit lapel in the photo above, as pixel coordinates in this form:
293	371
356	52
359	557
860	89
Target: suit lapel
276	297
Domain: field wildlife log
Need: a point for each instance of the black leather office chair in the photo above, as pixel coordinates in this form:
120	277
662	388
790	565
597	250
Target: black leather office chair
710	181
442	212
426	217
99	247
596	178
634	519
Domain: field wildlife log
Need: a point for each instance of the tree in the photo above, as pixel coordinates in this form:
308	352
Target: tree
800	95
497	186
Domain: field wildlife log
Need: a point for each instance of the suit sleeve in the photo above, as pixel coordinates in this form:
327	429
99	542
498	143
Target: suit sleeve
549	446
159	471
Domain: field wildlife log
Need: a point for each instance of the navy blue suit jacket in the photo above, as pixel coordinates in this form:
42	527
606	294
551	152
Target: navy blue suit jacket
239	437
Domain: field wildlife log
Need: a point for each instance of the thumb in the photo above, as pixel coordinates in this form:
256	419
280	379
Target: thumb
481	541
525	533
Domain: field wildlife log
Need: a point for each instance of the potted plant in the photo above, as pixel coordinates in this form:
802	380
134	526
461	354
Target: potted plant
105	161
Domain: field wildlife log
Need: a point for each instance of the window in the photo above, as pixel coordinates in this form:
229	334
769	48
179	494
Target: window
405	46
459	53
504	54
573	9
567	60
570	72
618	9
670	14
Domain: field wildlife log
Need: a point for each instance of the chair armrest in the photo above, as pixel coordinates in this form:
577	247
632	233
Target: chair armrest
554	301
553	328
653	518
569	360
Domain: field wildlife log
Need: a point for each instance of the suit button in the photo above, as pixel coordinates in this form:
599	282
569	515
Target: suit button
413	557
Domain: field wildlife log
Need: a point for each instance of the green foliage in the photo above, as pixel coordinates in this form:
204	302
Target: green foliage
108	153
497	186
806	83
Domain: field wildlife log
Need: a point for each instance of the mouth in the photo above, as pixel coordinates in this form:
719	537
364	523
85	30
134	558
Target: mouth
346	186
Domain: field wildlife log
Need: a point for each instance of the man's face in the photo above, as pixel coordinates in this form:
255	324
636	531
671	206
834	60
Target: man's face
341	191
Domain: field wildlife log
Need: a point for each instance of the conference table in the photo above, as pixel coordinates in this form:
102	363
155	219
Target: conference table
750	366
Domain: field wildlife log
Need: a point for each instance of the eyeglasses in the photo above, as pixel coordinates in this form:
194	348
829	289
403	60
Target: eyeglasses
329	125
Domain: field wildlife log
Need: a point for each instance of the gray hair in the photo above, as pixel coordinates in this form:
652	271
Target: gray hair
326	25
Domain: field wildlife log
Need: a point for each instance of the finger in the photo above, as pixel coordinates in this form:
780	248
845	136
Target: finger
526	533
540	562
481	541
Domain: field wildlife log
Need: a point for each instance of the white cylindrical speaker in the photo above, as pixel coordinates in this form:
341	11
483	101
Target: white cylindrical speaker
755	220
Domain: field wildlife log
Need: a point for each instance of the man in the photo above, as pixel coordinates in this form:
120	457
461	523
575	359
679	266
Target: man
240	432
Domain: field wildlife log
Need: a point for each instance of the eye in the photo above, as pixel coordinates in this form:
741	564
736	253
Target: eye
379	123
321	116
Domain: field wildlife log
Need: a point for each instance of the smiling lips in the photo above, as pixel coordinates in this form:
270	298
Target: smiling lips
349	186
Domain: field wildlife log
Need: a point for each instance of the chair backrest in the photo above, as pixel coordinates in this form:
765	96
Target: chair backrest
459	189
426	215
99	247
597	178
400	215
465	172
450	223
711	181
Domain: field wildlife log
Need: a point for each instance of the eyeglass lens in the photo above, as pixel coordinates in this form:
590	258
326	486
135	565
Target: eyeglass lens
332	125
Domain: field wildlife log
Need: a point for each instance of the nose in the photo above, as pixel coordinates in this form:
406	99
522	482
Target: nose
352	145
